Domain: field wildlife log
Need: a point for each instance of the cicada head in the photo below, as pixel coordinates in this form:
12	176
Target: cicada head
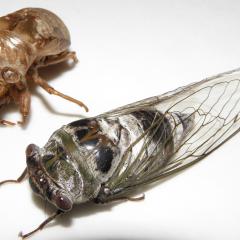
47	182
16	56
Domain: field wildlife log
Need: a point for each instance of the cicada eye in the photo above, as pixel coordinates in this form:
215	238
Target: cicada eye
62	202
10	75
32	154
31	150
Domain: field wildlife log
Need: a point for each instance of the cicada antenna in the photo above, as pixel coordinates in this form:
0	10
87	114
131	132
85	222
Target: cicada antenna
42	225
19	180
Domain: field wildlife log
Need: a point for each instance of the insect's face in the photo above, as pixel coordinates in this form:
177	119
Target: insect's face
16	56
43	183
10	77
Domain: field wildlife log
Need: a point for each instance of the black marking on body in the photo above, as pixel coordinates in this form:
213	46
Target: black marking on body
145	117
104	159
80	134
47	157
161	129
184	119
60	150
80	123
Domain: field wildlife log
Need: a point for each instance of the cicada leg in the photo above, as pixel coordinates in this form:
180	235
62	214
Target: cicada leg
7	123
138	198
24	104
43	84
41	226
22	98
54	59
132	199
19	180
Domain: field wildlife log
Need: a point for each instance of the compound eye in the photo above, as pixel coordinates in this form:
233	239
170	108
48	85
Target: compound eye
32	155
10	75
63	202
31	150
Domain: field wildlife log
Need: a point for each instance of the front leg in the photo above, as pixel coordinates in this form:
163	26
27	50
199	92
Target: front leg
2	121
23	99
24	104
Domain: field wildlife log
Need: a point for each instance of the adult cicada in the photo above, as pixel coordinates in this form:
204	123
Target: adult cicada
30	38
107	157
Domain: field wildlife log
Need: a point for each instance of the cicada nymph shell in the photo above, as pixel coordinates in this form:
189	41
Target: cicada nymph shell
30	38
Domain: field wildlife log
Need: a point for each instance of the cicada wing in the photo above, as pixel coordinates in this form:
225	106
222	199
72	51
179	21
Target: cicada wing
211	115
168	99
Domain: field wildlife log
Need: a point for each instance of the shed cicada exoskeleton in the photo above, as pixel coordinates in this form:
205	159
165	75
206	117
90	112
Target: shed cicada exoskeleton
30	39
107	157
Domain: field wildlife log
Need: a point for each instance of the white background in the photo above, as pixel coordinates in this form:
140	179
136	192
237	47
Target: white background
130	50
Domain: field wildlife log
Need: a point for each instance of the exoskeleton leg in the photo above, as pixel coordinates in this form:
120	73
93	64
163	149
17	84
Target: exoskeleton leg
42	225
19	180
22	98
24	104
42	83
7	123
54	59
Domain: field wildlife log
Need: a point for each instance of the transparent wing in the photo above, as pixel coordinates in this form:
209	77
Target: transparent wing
166	100
212	107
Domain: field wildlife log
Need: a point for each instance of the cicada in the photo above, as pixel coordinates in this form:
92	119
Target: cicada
107	157
30	39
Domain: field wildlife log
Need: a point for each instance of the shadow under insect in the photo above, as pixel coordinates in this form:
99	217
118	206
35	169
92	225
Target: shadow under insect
91	208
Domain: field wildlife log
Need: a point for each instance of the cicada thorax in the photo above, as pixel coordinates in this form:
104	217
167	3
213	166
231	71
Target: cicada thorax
41	28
